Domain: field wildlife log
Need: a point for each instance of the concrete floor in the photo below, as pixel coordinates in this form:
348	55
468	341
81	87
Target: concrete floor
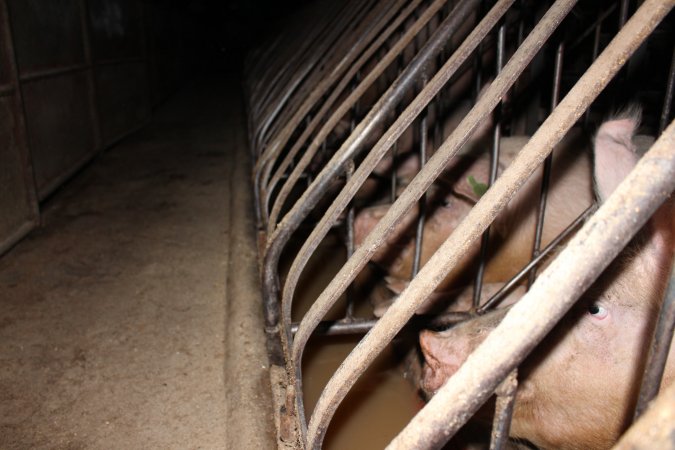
113	317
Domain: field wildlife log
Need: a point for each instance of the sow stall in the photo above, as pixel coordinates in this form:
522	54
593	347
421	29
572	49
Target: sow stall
339	102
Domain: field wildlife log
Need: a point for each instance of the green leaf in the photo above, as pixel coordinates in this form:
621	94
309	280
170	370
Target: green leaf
478	188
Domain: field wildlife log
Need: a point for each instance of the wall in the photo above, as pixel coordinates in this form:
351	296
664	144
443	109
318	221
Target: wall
76	76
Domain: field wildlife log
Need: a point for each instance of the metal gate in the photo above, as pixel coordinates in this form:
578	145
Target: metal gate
351	84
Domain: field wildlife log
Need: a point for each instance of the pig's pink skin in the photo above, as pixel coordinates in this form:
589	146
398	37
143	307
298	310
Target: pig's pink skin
571	192
579	387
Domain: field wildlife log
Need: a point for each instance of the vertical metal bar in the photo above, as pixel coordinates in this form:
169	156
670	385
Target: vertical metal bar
658	350
506	396
494	164
501	293
421	217
668	100
546	177
596	50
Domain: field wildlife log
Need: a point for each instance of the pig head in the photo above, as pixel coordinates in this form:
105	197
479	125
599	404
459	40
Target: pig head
579	387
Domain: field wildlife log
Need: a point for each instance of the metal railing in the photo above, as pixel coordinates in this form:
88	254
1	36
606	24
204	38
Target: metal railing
291	125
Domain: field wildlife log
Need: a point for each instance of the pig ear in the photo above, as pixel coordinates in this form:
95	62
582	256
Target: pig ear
614	154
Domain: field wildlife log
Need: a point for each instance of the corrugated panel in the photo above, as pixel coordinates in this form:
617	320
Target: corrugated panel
122	98
59	126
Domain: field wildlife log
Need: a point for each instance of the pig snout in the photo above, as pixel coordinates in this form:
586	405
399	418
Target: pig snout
445	351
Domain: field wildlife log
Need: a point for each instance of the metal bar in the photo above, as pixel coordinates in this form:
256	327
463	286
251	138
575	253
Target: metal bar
658	350
279	76
422	208
354	141
494	163
347	64
323	181
33	75
527	322
501	293
355	326
328	297
655	429
439	265
668	100
623	13
342	109
506	397
319	52
546	177
593	28
345	53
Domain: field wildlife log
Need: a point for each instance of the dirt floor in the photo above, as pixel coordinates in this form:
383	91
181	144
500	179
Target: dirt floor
113	313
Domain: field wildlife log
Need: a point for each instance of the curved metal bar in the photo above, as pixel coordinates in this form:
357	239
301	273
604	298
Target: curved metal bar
625	211
317	53
528	321
281	141
366	167
344	107
320	185
441	262
270	89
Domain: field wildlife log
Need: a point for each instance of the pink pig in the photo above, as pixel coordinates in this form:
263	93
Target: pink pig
579	388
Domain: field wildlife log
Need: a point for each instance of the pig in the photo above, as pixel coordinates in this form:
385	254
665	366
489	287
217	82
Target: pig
454	194
579	387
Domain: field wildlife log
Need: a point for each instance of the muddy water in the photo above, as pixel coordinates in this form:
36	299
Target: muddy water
382	402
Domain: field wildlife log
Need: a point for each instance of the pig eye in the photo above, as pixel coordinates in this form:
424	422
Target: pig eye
597	311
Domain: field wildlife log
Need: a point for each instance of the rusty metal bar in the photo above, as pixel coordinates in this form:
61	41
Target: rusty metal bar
283	77
392	134
342	109
368	125
319	53
328	297
494	164
506	397
354	326
546	176
345	54
658	350
441	262
555	291
655	428
668	100
504	290
265	166
286	81
319	186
